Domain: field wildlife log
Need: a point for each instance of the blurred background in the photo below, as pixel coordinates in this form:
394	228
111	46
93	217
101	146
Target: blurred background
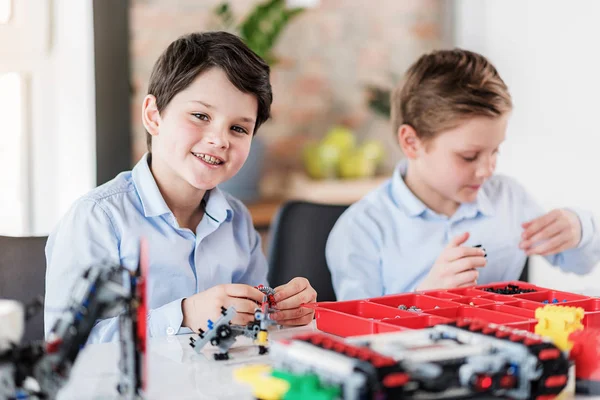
73	74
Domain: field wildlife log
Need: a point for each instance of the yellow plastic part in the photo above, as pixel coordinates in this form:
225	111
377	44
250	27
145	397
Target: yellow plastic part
558	322
264	386
262	338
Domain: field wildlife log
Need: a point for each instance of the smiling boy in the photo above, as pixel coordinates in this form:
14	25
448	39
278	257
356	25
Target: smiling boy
208	95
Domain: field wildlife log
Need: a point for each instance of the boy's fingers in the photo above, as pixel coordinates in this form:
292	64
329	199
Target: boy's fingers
465	264
547	232
242	319
242	305
468	284
303	320
458	240
291	288
537	224
243	291
306	296
555	245
457	253
465	278
295	313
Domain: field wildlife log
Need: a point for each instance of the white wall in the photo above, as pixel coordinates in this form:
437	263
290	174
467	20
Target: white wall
547	53
63	109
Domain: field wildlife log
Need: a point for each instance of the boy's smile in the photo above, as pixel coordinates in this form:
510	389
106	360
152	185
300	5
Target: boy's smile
209	159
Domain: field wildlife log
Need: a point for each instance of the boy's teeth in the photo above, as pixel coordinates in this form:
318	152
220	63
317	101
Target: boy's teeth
208	159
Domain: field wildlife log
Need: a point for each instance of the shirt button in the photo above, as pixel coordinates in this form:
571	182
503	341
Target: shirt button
170	331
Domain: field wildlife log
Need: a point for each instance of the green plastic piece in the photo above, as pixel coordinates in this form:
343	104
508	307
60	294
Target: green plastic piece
307	386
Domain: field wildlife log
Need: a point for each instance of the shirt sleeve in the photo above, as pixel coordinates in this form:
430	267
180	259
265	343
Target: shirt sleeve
354	256
85	237
586	254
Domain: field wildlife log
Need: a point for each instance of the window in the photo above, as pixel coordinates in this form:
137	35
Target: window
14	197
24	44
5	11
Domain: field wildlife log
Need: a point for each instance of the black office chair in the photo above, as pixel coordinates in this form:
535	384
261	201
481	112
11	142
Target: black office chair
22	276
297	246
525	273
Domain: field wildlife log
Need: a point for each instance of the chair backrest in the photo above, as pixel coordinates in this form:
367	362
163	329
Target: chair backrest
297	247
22	276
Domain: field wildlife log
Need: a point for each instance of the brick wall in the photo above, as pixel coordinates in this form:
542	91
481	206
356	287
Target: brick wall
328	54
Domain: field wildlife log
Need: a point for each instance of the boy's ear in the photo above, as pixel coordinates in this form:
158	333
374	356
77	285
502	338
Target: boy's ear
409	141
150	115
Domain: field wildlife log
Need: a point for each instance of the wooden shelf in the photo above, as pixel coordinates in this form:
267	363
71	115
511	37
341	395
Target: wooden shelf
263	211
300	187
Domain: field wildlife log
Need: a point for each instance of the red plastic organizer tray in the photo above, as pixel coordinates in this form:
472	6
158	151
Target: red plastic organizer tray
425	309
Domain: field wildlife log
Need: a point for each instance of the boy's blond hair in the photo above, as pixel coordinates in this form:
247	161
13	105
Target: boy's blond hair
444	87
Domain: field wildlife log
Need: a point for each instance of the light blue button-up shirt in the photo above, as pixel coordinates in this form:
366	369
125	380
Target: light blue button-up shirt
388	241
107	224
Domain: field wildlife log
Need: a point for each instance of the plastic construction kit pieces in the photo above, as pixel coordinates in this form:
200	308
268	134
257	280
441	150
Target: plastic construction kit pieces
40	369
270	293
469	356
222	333
509	289
563	325
585	353
558	322
414	309
395	313
478	246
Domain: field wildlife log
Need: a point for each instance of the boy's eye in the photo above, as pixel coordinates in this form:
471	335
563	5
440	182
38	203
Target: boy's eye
469	159
238	129
201	116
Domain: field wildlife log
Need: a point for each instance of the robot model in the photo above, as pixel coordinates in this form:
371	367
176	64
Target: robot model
39	370
467	358
222	334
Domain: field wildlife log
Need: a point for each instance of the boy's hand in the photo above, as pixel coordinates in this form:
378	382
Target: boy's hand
557	231
455	267
201	307
289	298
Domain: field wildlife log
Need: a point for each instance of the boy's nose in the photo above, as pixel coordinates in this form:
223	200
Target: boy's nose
486	169
218	139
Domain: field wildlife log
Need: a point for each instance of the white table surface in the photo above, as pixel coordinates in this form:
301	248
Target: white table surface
176	371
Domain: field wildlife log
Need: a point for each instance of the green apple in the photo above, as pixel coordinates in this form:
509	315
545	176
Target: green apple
373	150
321	160
354	165
341	138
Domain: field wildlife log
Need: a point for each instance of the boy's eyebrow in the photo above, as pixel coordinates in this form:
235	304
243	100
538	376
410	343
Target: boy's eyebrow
201	102
244	119
247	119
475	149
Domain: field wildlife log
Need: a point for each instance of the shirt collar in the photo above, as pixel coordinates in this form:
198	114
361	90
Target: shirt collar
402	195
152	200
484	204
216	207
413	207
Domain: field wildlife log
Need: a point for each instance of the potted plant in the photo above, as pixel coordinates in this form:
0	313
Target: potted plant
260	30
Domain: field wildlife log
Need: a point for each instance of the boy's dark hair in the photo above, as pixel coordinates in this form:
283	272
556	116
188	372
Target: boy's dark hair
444	87
195	53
